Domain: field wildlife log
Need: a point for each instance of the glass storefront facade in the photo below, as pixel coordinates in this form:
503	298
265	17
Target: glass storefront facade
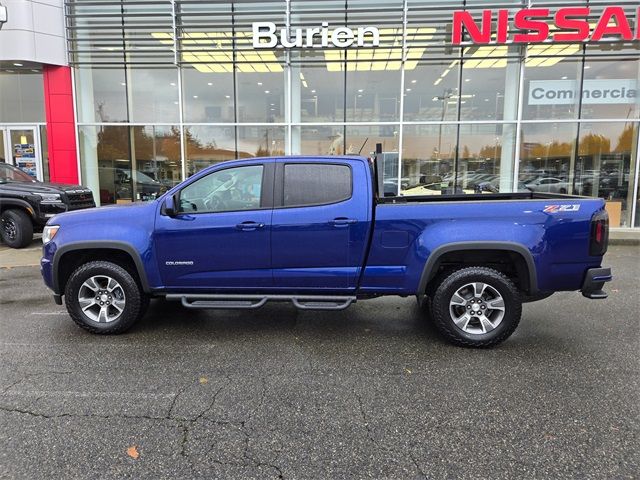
166	88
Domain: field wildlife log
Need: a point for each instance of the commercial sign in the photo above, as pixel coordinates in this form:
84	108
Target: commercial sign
569	24
265	36
565	92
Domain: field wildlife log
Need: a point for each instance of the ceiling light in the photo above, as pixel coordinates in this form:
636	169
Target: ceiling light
195	96
587	67
173	84
313	91
209	83
408	89
360	90
259	83
272	104
227	96
267	91
123	84
467	79
564	77
17	64
413	81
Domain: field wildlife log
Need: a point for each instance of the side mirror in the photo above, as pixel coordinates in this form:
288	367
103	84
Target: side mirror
170	207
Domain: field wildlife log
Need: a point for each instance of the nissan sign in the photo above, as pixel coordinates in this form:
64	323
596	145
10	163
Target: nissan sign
569	24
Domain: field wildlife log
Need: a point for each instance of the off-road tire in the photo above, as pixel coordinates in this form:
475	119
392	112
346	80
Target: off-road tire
134	308
21	226
448	285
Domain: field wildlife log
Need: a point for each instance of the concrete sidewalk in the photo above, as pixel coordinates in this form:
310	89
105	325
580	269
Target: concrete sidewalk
22	257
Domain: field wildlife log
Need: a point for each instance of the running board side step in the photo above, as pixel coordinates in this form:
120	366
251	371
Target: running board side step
249	302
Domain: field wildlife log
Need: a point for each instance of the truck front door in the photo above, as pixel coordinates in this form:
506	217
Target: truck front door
221	235
320	224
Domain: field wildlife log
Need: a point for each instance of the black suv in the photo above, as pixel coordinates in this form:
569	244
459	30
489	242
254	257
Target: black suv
26	204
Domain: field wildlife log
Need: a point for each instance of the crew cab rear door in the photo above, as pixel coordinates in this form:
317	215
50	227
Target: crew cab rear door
320	223
221	235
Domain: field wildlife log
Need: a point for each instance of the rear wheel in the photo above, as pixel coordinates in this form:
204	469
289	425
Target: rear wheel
476	307
16	228
104	298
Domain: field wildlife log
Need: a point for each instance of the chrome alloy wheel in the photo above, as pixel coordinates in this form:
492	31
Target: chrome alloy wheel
101	299
477	308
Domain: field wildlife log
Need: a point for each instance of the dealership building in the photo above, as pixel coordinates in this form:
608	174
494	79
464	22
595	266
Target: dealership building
131	97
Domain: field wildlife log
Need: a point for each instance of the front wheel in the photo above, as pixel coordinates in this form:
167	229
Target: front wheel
104	298
476	307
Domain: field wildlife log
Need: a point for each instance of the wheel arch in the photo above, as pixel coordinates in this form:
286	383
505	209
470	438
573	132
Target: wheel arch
525	267
17	204
70	256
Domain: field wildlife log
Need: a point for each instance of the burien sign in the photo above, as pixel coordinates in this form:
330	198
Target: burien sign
565	92
3	15
570	24
266	36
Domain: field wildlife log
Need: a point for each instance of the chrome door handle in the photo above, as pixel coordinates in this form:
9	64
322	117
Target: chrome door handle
249	226
343	221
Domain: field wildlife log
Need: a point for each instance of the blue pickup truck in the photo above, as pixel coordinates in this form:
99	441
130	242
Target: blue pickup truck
315	231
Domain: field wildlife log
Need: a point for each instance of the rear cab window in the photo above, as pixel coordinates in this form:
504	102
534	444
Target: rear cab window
308	184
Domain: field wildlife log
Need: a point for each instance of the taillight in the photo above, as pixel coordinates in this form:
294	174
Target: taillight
599	234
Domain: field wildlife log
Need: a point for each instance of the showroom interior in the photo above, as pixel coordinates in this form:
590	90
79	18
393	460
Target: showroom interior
162	89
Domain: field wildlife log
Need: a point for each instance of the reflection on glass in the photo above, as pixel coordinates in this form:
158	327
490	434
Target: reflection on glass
46	176
428	153
21	96
431	91
547	156
373	96
156	160
106	165
261	94
319	90
256	141
611	88
208	96
3	154
102	94
550	85
362	139
207	146
603	168
154	94
489	85
485	159
318	140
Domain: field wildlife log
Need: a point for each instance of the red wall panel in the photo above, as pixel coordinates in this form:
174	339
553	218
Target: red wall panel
61	137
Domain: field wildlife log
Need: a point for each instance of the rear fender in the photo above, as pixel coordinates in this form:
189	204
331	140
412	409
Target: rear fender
433	261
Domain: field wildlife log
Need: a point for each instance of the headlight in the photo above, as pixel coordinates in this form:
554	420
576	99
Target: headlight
49	232
49	197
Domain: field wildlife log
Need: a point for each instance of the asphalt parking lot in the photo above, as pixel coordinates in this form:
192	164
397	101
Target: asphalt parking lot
371	392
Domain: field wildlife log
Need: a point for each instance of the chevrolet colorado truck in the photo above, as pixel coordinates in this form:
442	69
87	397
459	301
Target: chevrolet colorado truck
314	231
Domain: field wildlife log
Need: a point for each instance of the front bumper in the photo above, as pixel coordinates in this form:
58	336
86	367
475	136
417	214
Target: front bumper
594	281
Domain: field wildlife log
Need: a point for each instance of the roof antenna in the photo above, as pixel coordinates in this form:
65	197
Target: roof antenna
365	142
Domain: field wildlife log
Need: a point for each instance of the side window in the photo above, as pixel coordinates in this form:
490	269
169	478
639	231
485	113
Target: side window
226	190
315	184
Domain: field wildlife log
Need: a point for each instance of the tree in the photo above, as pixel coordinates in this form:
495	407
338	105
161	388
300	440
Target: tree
625	140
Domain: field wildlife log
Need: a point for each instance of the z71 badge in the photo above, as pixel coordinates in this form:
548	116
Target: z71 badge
561	208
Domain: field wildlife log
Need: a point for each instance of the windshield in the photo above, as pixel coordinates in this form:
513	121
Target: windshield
9	173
